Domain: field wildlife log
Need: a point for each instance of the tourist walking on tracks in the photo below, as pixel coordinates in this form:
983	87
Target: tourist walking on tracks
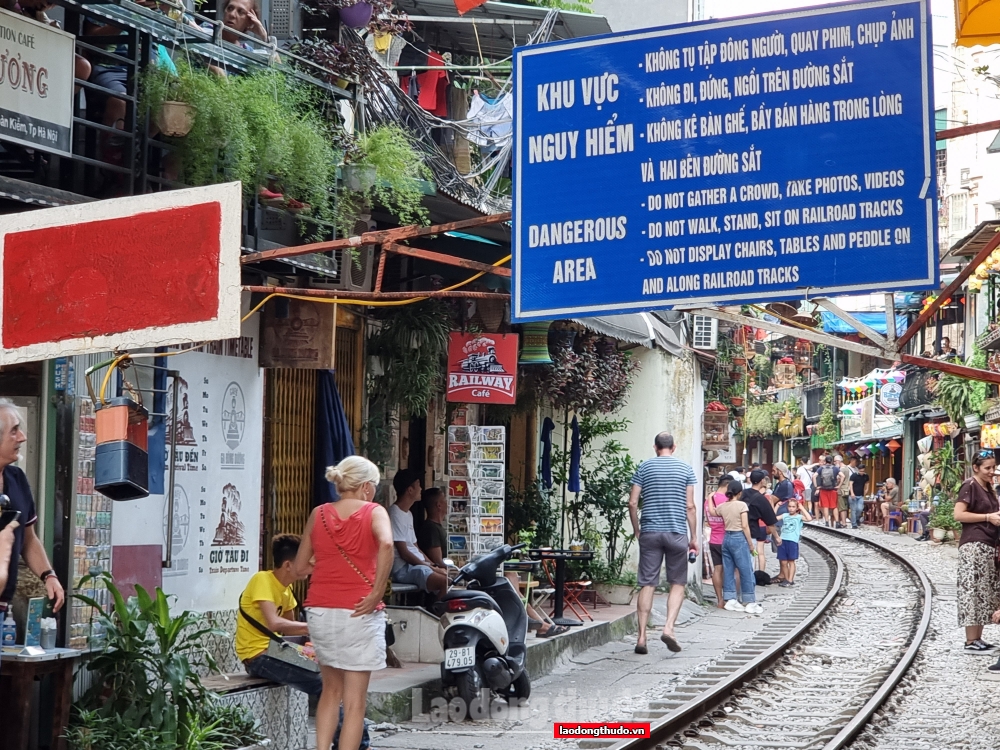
668	529
791	533
737	549
760	511
805	475
859	484
347	547
827	479
718	534
978	510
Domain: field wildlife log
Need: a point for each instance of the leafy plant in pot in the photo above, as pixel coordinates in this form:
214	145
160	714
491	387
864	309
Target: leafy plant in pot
963	399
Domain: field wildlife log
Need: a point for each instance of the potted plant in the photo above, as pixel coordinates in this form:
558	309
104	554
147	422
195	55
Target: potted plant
168	96
144	689
964	400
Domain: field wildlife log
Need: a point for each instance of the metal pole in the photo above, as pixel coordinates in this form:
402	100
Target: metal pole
170	475
562	514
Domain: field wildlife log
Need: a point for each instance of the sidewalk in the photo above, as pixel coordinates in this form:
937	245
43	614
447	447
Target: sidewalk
395	695
605	682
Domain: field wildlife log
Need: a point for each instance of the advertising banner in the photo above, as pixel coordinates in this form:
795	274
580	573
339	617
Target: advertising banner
36	84
217	485
735	160
482	368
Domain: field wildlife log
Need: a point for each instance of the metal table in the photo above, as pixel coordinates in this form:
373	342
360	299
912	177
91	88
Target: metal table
560	556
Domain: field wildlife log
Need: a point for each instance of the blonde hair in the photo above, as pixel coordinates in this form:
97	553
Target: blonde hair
351	473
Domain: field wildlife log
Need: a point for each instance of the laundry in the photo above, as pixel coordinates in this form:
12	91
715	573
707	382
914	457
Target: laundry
490	120
431	86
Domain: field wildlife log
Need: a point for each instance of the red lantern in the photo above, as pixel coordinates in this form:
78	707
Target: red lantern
894	445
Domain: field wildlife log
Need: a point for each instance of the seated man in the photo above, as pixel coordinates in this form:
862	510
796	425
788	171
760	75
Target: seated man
892	502
410	564
432	539
268	599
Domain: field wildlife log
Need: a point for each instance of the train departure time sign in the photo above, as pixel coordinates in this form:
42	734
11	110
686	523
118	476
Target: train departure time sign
746	159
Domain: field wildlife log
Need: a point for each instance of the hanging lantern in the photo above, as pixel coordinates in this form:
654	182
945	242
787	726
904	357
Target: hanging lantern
121	460
884	448
894	445
535	349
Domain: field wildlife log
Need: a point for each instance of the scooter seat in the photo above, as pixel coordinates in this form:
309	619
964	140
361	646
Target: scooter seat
469	599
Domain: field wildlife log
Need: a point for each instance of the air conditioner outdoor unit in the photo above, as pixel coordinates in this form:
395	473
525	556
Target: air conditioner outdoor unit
705	332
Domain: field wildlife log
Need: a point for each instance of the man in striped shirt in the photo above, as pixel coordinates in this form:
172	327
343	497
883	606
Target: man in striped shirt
666	532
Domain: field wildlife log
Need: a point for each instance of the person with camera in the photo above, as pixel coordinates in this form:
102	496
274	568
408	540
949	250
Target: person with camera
25	542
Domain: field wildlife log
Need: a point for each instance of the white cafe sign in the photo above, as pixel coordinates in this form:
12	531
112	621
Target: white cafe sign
36	83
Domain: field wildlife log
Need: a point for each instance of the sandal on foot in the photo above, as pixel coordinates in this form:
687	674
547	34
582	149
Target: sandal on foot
554	631
641	649
671	642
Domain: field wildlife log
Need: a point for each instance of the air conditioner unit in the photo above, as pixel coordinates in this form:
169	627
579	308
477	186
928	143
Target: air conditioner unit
705	332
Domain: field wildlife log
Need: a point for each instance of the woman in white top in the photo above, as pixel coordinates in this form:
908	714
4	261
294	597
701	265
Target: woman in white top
737	548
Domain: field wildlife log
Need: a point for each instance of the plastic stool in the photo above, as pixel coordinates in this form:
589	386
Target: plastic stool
895	518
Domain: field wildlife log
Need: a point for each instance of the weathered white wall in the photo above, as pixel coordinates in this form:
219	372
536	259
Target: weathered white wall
625	15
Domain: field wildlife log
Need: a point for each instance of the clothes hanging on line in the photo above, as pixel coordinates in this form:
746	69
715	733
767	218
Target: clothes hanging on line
386	49
432	86
490	120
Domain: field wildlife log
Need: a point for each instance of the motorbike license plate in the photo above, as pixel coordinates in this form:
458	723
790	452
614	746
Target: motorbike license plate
460	658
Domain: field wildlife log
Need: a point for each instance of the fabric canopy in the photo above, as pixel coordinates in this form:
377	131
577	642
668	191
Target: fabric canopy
637	328
977	22
333	435
874	320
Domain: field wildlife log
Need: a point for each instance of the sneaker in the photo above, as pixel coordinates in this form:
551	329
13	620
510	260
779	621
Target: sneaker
992	672
734	606
978	646
753	608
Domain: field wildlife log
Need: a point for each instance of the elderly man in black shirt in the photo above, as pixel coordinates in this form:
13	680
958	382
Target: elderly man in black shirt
14	484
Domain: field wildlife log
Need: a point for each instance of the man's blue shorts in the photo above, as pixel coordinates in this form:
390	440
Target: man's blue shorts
788	550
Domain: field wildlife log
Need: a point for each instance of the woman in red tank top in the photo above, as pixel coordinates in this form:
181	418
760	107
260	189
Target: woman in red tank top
347	548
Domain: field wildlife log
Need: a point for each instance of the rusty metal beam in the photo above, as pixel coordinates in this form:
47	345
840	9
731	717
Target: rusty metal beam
962	371
374	238
448	260
349	295
944	135
932	308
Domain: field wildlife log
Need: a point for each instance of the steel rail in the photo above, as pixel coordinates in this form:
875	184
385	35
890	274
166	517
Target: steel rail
702	705
706	702
846	735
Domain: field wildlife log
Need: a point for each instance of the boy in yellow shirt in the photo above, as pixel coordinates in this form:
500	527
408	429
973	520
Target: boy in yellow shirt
269	601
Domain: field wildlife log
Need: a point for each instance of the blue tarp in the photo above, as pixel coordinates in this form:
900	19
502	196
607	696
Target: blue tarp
874	320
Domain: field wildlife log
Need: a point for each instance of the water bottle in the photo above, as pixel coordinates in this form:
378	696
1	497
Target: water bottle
692	556
9	631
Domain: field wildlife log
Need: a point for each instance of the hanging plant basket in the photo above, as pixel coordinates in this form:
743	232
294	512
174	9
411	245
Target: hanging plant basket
356	16
175	119
736	401
740	361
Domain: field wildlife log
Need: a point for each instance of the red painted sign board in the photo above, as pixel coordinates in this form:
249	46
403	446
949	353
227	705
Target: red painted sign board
482	368
151	270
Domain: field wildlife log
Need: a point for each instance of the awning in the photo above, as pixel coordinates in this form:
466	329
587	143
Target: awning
977	22
494	28
636	328
874	320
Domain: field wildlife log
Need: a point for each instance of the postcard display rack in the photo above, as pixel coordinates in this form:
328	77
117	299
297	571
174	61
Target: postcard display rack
91	535
476	487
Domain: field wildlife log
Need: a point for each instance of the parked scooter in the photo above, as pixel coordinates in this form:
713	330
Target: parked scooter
483	631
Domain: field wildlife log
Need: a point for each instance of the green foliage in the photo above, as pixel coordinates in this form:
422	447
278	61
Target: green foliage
145	687
580	6
761	420
399	170
943	516
960	396
827	425
411	344
258	129
530	516
591	376
600	511
949	472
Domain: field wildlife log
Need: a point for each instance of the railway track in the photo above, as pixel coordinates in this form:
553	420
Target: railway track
814	678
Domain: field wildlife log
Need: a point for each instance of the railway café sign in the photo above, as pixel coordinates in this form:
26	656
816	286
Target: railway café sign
482	368
752	158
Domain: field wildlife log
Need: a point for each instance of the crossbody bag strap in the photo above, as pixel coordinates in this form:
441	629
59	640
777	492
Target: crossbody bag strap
322	517
264	630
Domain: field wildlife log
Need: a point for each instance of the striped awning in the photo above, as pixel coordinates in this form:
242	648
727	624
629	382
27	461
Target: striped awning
977	22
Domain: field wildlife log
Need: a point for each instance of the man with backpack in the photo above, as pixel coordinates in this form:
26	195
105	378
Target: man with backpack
827	479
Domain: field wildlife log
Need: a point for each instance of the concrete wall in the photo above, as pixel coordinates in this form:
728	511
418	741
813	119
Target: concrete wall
624	15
